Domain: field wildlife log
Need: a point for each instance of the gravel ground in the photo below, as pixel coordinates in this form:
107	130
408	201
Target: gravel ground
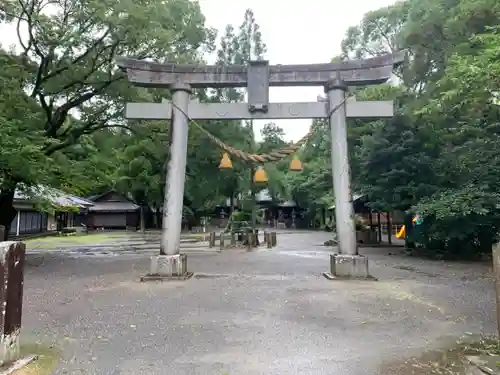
265	312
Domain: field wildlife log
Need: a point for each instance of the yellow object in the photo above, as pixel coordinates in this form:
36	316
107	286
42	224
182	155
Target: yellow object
295	165
401	233
260	175
225	162
414	220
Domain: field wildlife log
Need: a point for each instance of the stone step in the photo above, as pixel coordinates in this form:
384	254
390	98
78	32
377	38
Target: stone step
93	253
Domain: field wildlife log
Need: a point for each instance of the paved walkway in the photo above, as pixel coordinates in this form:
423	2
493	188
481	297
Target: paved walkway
266	312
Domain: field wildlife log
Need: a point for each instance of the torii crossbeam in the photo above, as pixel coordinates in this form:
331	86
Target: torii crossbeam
276	111
257	77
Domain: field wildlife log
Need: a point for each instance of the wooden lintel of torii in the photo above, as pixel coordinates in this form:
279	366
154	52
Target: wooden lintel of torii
239	111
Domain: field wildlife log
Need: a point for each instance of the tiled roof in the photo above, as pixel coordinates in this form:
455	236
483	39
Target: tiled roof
113	207
54	196
264	196
355	197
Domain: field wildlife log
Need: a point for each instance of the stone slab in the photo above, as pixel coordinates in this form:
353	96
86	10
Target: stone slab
347	267
258	86
187	276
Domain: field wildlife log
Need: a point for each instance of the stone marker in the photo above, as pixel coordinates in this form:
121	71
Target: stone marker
274	239
211	239
11	299
222	241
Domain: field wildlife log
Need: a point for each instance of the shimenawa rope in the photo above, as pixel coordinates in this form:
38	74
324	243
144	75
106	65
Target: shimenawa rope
272	156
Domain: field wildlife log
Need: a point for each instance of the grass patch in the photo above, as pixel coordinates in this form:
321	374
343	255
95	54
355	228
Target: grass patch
51	242
447	361
77	239
45	364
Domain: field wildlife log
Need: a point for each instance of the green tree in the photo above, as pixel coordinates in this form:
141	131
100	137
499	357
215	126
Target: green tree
238	47
463	218
313	187
273	139
142	166
143	159
21	141
70	53
438	155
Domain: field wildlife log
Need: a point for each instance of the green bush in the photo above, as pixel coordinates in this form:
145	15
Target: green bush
68	230
458	224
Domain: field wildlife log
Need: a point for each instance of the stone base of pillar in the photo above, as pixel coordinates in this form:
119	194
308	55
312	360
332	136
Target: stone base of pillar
168	267
348	267
9	349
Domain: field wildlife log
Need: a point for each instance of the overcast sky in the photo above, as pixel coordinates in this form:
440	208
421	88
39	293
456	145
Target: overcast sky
296	32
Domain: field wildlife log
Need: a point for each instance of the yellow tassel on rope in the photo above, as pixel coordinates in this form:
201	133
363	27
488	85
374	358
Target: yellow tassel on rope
225	162
295	165
260	176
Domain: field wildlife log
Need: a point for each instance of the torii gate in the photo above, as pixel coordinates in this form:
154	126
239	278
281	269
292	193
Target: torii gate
257	76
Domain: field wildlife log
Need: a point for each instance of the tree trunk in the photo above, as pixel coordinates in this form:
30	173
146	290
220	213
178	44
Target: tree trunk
389	228
231	204
379	228
158	218
7	210
409	240
252	194
142	219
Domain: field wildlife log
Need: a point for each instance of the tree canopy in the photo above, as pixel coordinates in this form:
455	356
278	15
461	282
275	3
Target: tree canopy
438	155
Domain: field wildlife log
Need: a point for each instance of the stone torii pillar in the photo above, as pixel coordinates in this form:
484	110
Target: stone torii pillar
258	76
344	210
176	176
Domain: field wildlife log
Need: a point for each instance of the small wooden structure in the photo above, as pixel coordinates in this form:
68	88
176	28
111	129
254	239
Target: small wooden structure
283	214
30	220
112	210
379	223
